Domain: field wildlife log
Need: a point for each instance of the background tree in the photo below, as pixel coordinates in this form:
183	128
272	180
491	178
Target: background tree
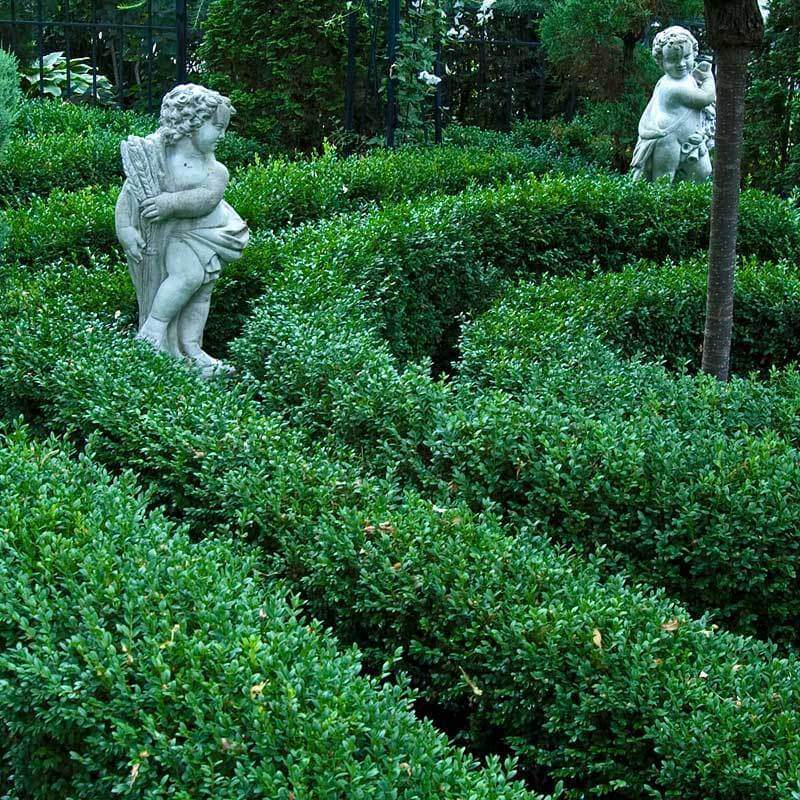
593	41
283	64
592	47
734	28
771	155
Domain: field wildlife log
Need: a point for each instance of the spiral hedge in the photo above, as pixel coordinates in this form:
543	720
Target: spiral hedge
422	517
134	661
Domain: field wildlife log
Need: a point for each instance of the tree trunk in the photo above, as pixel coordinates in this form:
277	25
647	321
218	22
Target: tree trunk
734	28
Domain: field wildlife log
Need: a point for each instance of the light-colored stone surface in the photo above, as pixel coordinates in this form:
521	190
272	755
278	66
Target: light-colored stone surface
676	130
174	225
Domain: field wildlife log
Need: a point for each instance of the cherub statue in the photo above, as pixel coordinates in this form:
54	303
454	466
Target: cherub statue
172	221
676	130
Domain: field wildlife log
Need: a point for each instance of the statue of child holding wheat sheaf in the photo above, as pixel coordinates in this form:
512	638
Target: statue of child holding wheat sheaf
174	225
676	130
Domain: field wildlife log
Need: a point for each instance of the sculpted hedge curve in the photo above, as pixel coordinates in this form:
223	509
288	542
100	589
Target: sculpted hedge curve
676	130
173	223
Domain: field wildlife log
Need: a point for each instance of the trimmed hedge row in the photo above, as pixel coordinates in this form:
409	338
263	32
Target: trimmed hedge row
309	325
657	312
271	196
135	662
604	686
427	262
563	138
690	481
68	147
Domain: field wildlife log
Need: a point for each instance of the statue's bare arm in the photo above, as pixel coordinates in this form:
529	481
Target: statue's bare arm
126	218
699	98
189	203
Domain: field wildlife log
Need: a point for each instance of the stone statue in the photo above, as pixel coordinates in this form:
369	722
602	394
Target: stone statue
175	227
676	130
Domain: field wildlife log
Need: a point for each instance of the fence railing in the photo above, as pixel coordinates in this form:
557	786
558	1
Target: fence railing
143	47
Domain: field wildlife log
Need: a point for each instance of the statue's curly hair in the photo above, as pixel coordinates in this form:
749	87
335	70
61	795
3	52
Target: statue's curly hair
673	35
186	107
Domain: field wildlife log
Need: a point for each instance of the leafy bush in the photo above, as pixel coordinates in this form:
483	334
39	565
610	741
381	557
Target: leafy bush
68	147
658	312
283	67
9	95
512	636
429	261
270	196
134	661
49	77
573	139
685	479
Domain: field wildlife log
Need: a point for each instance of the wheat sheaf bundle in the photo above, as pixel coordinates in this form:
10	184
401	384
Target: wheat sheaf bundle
143	163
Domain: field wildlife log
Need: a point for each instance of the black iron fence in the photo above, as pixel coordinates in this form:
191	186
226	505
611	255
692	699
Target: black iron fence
98	50
488	80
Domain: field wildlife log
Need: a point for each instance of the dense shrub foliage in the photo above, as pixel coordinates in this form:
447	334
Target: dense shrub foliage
684	477
276	194
424	518
428	261
506	632
134	661
68	147
658	311
10	96
283	67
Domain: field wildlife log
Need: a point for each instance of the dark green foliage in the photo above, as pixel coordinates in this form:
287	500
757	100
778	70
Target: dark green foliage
771	155
135	662
428	261
687	480
565	140
272	195
72	225
608	687
658	311
68	147
282	64
10	96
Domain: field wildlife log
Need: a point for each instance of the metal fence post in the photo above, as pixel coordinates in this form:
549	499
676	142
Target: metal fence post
181	24
40	41
350	85
391	87
67	48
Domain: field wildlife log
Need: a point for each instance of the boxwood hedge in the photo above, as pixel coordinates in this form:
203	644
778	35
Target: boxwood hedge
429	261
689	480
63	146
270	196
611	688
135	662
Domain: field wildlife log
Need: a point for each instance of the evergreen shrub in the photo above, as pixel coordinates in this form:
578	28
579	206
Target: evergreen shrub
133	661
283	66
10	96
602	685
687	479
428	261
62	146
270	196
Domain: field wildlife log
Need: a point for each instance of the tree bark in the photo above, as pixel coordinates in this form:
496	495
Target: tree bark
734	28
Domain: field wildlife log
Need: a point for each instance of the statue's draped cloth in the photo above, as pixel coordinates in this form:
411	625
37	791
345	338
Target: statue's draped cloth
217	238
650	132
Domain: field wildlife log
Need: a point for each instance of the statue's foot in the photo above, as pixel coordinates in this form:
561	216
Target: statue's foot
153	336
154	331
218	370
208	365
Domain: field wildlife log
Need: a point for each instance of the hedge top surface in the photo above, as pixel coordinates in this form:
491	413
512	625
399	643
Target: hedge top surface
134	661
655	706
